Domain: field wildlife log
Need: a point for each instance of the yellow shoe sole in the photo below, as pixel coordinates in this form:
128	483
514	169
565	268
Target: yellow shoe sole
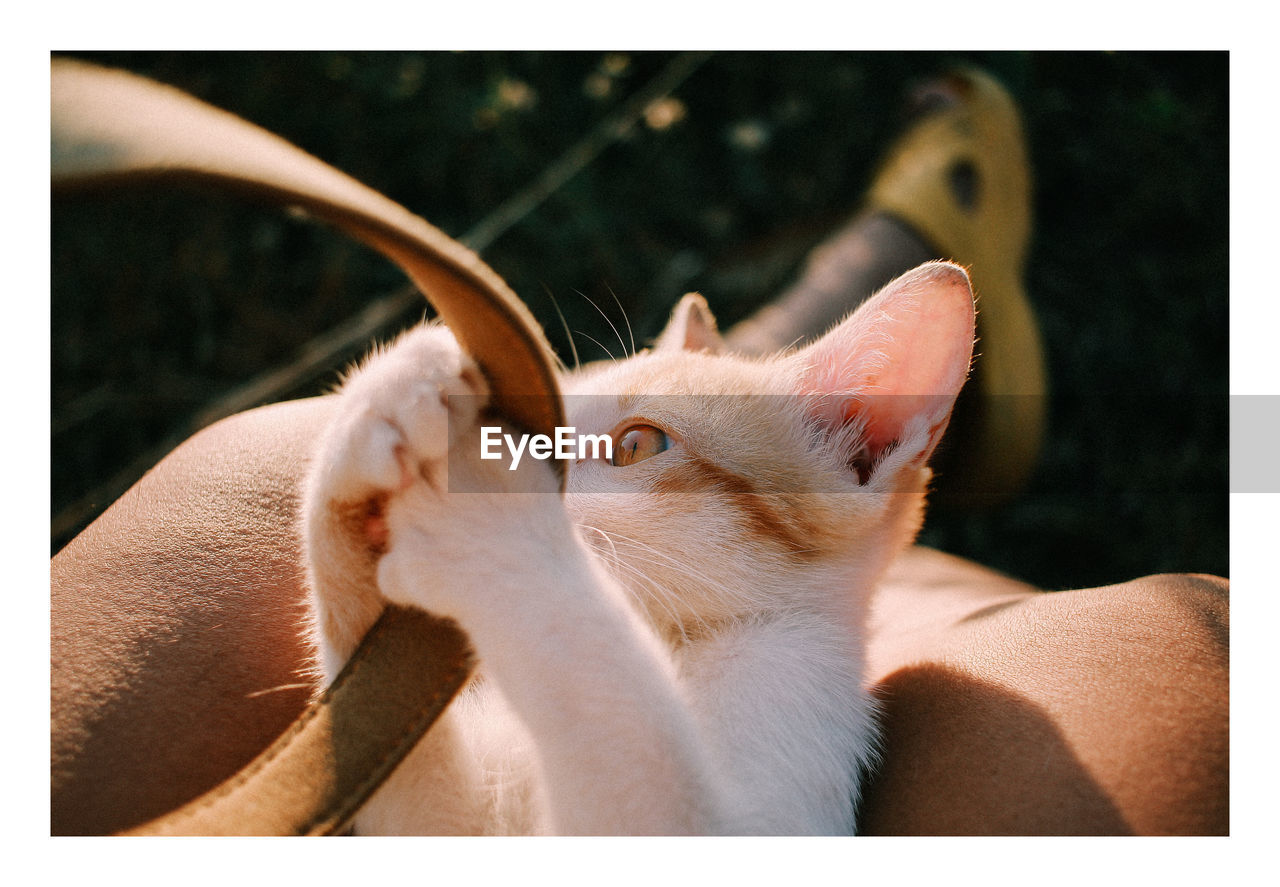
1000	424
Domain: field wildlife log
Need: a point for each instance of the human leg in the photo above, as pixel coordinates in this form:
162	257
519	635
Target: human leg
1010	711
178	622
955	186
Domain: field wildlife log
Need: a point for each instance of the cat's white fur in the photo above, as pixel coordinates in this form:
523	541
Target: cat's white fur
673	647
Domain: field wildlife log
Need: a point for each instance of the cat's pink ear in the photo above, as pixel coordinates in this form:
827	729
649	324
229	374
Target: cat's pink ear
895	366
692	327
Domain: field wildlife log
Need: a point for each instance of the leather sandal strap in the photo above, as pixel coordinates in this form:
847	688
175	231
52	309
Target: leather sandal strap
113	127
317	775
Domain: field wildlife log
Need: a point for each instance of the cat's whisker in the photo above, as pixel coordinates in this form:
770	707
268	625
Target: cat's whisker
666	558
644	554
592	303
625	319
657	591
680	617
613	549
564	324
597	343
662	598
662	559
282	687
657	595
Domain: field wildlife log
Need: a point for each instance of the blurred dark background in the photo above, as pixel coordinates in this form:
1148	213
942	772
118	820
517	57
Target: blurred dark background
165	305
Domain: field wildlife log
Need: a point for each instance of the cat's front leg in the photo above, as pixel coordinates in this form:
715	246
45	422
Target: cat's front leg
392	414
617	748
396	404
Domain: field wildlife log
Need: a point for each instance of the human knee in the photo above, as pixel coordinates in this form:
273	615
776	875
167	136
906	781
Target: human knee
1191	609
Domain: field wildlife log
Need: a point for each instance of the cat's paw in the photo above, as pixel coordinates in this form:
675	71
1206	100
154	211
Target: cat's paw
456	549
397	418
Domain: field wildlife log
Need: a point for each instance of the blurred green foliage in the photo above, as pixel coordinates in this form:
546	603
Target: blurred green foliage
162	302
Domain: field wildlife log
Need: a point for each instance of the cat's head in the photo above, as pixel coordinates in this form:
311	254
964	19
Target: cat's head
739	484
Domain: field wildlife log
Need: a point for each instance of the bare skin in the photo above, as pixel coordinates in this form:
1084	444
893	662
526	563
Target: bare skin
177	655
1015	711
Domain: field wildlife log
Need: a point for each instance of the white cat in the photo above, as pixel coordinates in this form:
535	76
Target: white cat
674	647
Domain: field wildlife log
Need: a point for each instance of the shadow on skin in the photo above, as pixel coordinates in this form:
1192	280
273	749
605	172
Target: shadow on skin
938	723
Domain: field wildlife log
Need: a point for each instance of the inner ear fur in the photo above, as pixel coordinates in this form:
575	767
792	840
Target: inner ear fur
895	366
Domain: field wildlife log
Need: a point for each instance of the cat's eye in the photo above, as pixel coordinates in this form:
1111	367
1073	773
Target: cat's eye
638	443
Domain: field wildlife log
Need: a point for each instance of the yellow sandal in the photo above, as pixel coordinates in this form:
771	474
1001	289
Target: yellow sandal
961	179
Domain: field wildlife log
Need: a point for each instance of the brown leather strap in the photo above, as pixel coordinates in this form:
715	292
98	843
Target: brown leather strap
110	126
314	778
